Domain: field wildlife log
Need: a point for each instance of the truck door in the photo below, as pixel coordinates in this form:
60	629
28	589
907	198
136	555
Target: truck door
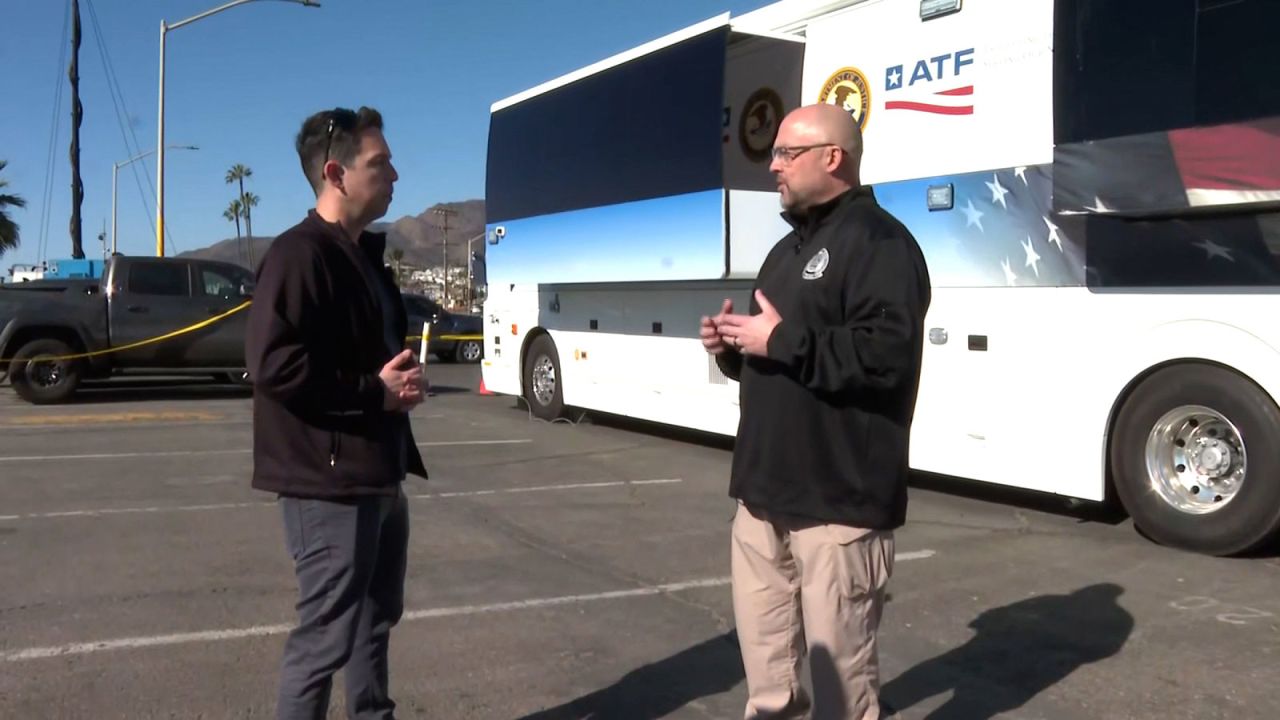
152	300
222	288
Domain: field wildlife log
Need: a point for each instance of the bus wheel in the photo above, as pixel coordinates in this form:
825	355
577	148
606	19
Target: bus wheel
542	386
1194	459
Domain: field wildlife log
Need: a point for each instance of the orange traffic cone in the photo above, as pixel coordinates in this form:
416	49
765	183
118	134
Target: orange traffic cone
482	390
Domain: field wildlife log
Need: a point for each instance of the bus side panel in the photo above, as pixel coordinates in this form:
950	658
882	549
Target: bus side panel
678	237
954	94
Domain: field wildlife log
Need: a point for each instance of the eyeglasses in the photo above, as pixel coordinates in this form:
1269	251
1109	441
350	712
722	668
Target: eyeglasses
789	154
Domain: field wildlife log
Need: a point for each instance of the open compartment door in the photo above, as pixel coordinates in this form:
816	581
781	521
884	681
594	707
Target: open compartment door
763	74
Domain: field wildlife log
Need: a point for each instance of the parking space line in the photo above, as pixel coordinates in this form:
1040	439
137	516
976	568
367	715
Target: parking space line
86	648
546	488
242	451
131	425
424	496
112	417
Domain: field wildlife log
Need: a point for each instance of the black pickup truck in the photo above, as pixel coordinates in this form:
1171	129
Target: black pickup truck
137	299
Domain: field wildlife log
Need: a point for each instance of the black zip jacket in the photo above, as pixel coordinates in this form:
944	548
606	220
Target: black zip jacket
825	417
314	346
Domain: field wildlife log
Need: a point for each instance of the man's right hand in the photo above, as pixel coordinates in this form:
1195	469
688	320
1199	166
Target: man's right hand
402	380
710	331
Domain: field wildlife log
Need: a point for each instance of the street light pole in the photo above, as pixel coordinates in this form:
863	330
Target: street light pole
160	153
115	169
164	29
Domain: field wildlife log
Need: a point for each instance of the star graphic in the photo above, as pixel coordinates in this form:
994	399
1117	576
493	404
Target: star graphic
1213	249
1009	277
972	216
1033	258
895	79
1054	238
998	191
1021	172
1098	207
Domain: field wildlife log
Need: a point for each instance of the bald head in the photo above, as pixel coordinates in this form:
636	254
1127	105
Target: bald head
824	152
828	124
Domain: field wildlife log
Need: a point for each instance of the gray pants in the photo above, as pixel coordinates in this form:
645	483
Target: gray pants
350	561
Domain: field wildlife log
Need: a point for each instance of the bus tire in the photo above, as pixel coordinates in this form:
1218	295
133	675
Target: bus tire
543	389
1193	457
41	382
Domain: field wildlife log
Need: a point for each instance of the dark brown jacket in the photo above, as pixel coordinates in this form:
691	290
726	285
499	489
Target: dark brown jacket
314	347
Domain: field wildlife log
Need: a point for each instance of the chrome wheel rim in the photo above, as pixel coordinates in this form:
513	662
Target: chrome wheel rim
544	380
1196	459
471	351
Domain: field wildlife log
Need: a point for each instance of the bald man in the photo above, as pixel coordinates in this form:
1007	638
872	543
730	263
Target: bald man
828	360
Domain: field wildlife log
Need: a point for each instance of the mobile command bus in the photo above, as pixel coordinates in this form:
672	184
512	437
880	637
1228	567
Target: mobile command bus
1095	185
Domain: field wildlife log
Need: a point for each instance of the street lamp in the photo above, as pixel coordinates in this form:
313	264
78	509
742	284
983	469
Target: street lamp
115	169
165	28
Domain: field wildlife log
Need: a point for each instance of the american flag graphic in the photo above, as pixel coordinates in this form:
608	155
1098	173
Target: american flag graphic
1001	231
1004	231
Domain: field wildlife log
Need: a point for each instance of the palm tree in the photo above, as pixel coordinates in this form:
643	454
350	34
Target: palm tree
238	173
233	212
9	235
397	255
248	200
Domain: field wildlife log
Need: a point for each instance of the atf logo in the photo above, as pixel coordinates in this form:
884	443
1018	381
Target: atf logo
848	89
938	67
956	99
758	125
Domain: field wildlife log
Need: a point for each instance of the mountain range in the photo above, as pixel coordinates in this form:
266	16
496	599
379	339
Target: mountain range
421	237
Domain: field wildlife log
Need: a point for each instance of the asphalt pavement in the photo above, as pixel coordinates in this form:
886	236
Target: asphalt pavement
569	570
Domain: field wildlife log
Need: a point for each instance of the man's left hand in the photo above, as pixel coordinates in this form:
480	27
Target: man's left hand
749	334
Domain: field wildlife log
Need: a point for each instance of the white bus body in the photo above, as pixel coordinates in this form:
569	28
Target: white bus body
1104	275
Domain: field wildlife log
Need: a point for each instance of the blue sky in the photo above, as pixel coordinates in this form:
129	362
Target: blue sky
239	84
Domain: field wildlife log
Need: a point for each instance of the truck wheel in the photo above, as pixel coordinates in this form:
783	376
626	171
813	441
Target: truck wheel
43	382
468	351
1194	459
542	386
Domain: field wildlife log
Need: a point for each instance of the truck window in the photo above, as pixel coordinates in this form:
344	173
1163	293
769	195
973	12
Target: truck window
217	283
159	278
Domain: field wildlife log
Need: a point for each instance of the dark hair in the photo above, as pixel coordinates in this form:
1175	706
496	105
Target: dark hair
333	133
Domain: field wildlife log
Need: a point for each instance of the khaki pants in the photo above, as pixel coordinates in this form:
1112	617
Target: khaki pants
805	588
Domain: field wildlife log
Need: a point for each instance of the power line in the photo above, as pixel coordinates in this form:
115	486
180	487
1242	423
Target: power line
122	119
55	124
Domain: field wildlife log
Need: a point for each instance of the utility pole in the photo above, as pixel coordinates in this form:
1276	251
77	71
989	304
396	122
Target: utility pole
77	115
445	213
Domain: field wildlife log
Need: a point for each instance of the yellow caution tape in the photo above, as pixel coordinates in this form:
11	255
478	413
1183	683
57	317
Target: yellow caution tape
190	329
415	338
141	343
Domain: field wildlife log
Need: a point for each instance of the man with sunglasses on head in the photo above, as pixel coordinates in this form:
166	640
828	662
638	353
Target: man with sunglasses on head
828	361
333	386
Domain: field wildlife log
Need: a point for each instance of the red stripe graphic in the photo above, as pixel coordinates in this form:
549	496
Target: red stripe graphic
1239	156
926	107
933	108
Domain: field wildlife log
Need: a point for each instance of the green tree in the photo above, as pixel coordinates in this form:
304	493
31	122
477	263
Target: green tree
9	235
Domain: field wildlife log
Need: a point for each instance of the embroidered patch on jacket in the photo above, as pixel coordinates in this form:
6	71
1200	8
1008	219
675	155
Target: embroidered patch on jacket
816	265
